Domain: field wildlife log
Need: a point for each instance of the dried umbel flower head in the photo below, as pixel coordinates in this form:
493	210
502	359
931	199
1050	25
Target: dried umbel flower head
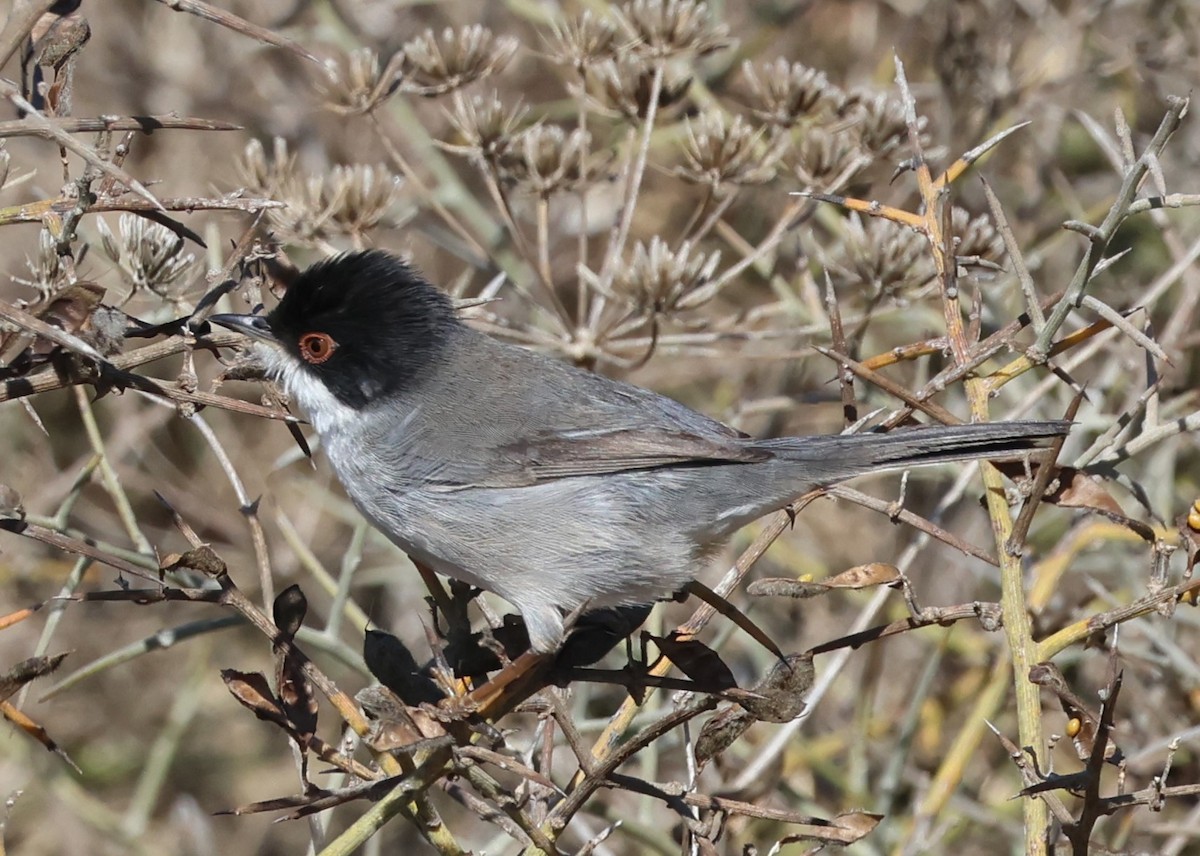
486	127
435	66
879	120
356	83
545	159
975	238
667	28
366	194
784	94
827	159
661	281
45	270
583	41
348	200
265	175
624	86
720	152
883	256
7	180
149	256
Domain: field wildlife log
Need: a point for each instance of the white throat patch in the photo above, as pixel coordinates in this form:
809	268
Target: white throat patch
324	410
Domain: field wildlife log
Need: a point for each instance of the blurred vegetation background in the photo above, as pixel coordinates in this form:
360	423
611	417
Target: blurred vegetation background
523	161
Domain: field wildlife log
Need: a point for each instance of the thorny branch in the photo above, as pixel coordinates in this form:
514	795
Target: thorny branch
636	298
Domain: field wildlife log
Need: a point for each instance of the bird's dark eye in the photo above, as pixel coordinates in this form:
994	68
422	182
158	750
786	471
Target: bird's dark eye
316	348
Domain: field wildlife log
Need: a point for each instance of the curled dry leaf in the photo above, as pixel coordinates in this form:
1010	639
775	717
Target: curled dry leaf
289	610
785	587
697	661
295	693
203	559
861	823
720	732
1076	488
864	576
296	718
858	577
844	829
297	697
395	727
394	666
253	692
779	697
26	671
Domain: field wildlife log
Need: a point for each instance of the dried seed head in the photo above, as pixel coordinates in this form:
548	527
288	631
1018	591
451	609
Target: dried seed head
348	200
486	127
7	180
826	159
366	194
975	237
546	159
583	42
623	86
345	200
667	28
880	123
149	256
306	219
45	271
356	84
262	175
434	66
720	153
659	280
883	256
783	93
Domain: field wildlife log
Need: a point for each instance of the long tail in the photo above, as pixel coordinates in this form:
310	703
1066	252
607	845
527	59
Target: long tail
831	459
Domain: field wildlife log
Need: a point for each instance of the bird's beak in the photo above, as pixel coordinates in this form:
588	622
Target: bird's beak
254	326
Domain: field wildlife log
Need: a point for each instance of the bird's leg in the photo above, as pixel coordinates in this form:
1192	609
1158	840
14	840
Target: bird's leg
513	684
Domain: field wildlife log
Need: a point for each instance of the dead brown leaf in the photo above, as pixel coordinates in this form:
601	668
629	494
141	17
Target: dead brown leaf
864	576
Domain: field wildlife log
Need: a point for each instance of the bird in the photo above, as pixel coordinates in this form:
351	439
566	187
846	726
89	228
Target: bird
556	488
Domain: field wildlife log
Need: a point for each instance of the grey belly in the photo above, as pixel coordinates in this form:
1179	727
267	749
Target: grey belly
584	540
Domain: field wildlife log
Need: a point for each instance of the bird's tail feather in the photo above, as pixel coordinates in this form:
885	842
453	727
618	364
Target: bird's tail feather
836	458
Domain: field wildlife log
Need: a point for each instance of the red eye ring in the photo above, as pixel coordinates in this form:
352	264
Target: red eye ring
316	348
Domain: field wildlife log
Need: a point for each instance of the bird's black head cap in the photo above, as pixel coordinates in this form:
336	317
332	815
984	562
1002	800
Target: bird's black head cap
365	323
